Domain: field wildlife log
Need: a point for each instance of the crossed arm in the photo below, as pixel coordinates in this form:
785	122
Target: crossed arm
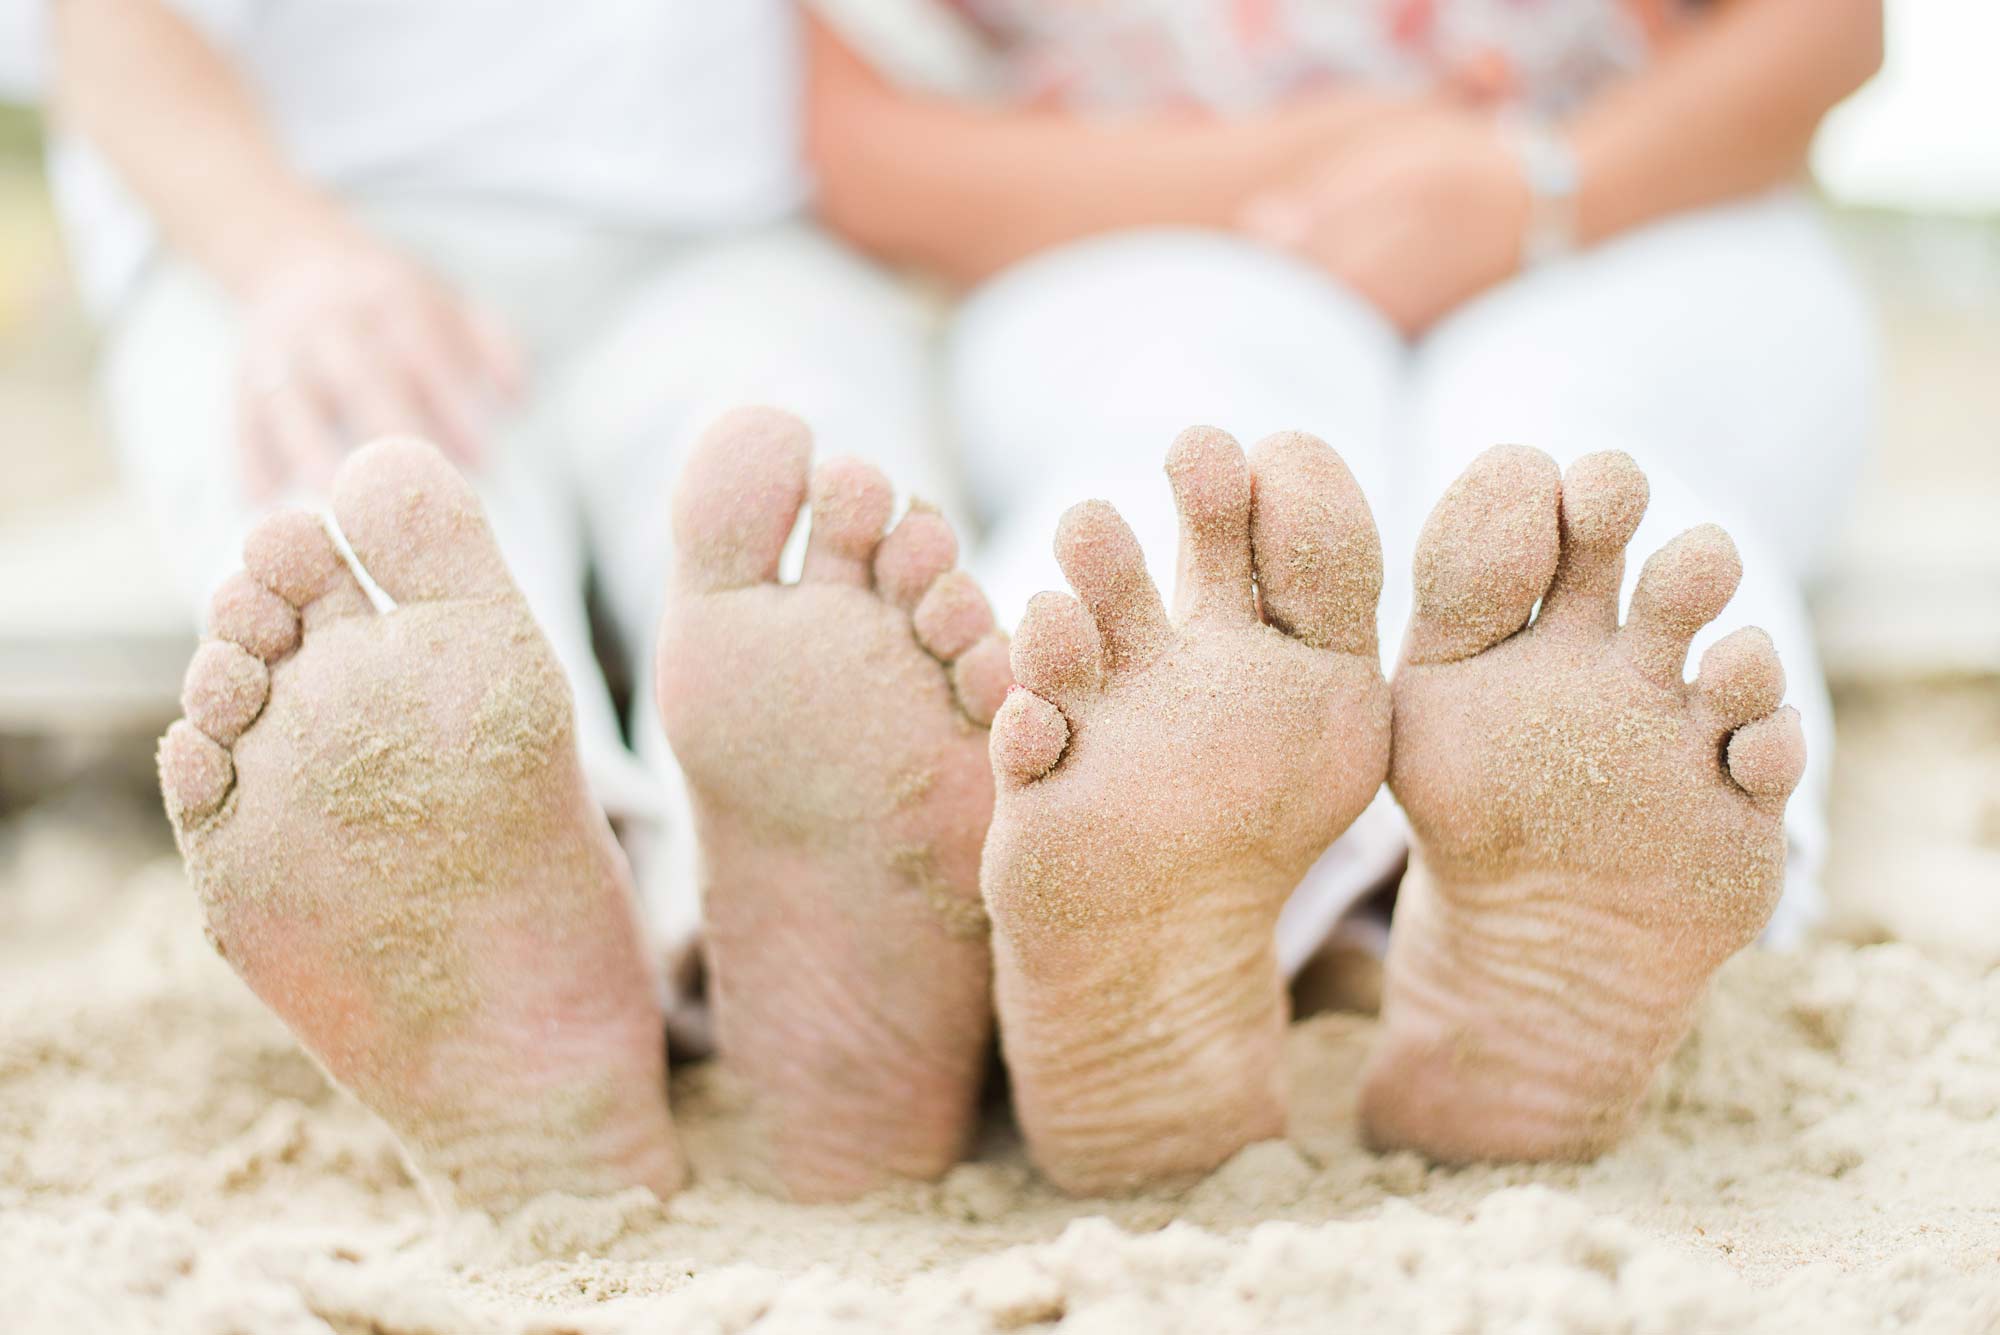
1417	204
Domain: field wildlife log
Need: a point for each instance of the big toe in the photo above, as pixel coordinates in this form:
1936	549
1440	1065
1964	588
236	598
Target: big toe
1485	556
738	498
416	525
1318	555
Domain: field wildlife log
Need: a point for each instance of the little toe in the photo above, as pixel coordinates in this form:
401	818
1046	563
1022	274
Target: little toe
1682	587
1029	737
982	676
919	549
1211	481
1740	678
952	616
1103	563
1768	757
195	773
246	613
293	556
1318	555
224	690
1603	499
1485	556
1057	654
739	497
851	502
415	524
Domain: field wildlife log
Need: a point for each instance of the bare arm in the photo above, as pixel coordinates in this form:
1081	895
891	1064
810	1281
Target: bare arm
174	117
1727	110
964	191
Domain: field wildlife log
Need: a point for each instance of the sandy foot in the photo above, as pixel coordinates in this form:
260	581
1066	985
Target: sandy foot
394	846
1162	787
1593	835
833	734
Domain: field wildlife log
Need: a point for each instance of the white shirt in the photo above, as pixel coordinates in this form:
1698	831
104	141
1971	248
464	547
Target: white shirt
678	114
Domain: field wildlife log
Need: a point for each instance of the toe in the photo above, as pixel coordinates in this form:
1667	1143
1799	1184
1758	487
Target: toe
982	677
1103	563
919	549
1681	588
850	507
1740	678
1211	481
415	524
1318	555
739	498
195	773
1029	735
1768	757
224	690
1056	650
1603	499
1486	554
952	616
293	556
246	613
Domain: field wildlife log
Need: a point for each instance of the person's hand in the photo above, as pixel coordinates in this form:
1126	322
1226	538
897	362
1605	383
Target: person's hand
1418	215
345	340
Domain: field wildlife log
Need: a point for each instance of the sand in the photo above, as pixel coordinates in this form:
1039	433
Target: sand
1824	1154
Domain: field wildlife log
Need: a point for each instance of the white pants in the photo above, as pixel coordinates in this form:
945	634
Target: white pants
1727	351
635	343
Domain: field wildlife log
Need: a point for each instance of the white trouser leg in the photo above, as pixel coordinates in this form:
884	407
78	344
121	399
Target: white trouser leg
1726	351
784	317
1069	375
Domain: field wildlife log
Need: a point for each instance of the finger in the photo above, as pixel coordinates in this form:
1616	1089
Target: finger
255	448
440	382
367	396
304	442
491	348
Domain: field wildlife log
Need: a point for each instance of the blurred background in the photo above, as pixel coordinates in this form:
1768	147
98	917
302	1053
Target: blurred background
92	640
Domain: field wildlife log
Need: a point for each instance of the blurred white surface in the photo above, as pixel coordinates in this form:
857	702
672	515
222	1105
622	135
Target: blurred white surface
23	49
1924	135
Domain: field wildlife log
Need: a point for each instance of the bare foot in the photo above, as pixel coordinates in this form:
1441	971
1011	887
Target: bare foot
1593	836
1162	788
394	845
833	734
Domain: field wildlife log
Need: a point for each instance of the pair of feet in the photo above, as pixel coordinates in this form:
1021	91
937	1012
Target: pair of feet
395	847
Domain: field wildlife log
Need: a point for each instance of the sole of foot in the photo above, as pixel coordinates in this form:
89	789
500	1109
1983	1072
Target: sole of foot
1593	835
834	736
1162	786
394	846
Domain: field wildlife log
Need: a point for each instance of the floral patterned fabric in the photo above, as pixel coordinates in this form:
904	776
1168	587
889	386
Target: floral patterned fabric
1239	54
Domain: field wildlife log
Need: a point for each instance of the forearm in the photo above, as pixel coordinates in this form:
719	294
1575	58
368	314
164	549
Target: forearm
1728	110
964	190
184	133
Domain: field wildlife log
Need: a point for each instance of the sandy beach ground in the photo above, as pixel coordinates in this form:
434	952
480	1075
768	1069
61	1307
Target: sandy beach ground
1823	1154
